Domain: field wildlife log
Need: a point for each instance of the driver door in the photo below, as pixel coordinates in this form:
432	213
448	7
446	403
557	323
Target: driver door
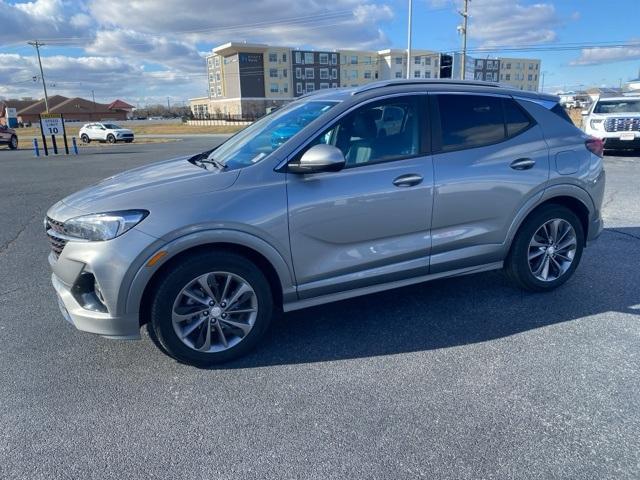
370	222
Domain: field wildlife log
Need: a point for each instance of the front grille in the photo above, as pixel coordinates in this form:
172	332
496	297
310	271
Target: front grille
55	232
622	125
127	135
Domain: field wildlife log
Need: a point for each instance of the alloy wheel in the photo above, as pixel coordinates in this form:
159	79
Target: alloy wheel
214	312
552	250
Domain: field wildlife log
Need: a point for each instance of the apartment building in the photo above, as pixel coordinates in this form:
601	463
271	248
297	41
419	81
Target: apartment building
358	67
520	73
249	79
313	70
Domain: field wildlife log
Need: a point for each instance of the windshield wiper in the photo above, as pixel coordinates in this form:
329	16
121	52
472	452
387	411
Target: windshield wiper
204	158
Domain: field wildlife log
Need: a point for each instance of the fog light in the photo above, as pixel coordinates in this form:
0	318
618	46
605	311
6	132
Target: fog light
87	293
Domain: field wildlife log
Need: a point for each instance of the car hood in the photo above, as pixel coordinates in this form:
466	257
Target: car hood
145	188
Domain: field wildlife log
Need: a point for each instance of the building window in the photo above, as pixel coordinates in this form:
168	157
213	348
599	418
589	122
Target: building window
535	78
299	88
324	58
427	74
478	76
353	74
508	66
334	73
507	77
416	60
354	59
530	78
309	87
219	91
398	60
367	74
273	88
284	73
308	58
479	63
298	58
308	73
217	76
324	86
367	60
216	61
285	88
324	74
284	57
273	73
298	72
398	74
537	65
416	74
334	59
531	66
427	61
273	57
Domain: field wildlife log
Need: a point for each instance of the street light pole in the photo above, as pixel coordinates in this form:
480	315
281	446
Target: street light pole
409	40
44	84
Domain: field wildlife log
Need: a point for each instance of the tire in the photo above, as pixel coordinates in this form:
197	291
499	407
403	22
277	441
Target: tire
170	300
85	138
111	138
13	143
522	271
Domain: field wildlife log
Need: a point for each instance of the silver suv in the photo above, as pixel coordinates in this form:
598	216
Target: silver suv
341	193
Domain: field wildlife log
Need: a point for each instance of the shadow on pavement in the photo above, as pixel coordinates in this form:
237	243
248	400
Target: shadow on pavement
453	312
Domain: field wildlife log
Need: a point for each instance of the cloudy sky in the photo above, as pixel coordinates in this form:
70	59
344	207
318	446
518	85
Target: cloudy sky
144	51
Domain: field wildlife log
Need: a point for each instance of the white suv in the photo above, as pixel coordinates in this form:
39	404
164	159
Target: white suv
105	132
616	120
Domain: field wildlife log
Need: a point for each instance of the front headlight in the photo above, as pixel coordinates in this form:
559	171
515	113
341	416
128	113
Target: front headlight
597	124
103	226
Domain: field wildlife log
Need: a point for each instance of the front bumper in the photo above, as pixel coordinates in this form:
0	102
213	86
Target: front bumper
124	327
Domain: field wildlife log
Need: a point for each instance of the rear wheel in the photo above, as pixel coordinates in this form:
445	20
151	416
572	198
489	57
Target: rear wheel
211	308
85	138
13	143
111	138
547	249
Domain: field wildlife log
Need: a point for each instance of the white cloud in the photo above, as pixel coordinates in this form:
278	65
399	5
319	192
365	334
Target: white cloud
42	19
600	55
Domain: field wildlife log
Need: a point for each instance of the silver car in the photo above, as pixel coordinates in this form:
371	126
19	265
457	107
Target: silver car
339	194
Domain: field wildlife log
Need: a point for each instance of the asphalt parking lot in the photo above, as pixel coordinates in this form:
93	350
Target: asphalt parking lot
456	379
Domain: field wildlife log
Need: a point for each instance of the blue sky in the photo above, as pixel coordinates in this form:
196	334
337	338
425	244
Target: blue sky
147	50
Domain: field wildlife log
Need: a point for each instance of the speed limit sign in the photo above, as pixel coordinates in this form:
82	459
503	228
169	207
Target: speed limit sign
52	126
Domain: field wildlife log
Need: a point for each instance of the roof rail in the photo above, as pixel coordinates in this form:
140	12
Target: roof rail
438	81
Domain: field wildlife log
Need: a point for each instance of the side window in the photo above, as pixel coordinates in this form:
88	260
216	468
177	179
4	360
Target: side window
377	132
469	121
515	119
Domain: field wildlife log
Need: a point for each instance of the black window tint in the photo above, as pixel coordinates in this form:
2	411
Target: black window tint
561	112
470	121
377	132
515	118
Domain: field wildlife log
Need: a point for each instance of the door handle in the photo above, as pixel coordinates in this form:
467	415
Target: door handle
522	164
408	180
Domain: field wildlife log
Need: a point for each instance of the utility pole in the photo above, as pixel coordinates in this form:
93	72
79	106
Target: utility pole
463	30
169	104
543	75
93	95
409	40
44	85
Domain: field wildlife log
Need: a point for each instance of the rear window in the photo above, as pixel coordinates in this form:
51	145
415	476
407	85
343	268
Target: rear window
469	121
561	112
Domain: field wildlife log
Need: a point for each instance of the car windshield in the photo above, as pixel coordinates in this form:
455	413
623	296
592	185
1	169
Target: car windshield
267	134
111	126
618	106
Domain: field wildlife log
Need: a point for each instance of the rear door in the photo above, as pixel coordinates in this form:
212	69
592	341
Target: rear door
490	159
368	223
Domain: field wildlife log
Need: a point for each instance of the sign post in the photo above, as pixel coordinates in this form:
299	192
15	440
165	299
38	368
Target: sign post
52	124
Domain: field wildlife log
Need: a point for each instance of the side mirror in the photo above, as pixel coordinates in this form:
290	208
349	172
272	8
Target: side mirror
319	158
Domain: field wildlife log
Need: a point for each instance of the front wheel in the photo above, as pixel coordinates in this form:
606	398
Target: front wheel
85	138
111	139
211	308
13	143
547	249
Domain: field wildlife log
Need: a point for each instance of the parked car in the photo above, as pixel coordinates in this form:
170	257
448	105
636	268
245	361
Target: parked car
616	121
204	248
8	137
105	132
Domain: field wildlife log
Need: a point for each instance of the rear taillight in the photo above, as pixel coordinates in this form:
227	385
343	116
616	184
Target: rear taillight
595	145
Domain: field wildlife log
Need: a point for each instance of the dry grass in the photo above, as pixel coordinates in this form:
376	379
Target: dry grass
576	116
26	134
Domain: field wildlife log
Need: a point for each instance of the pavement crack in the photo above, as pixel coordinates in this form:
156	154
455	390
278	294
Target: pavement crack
626	234
12	241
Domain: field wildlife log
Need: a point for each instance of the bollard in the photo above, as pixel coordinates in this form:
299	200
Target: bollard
35	147
75	145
